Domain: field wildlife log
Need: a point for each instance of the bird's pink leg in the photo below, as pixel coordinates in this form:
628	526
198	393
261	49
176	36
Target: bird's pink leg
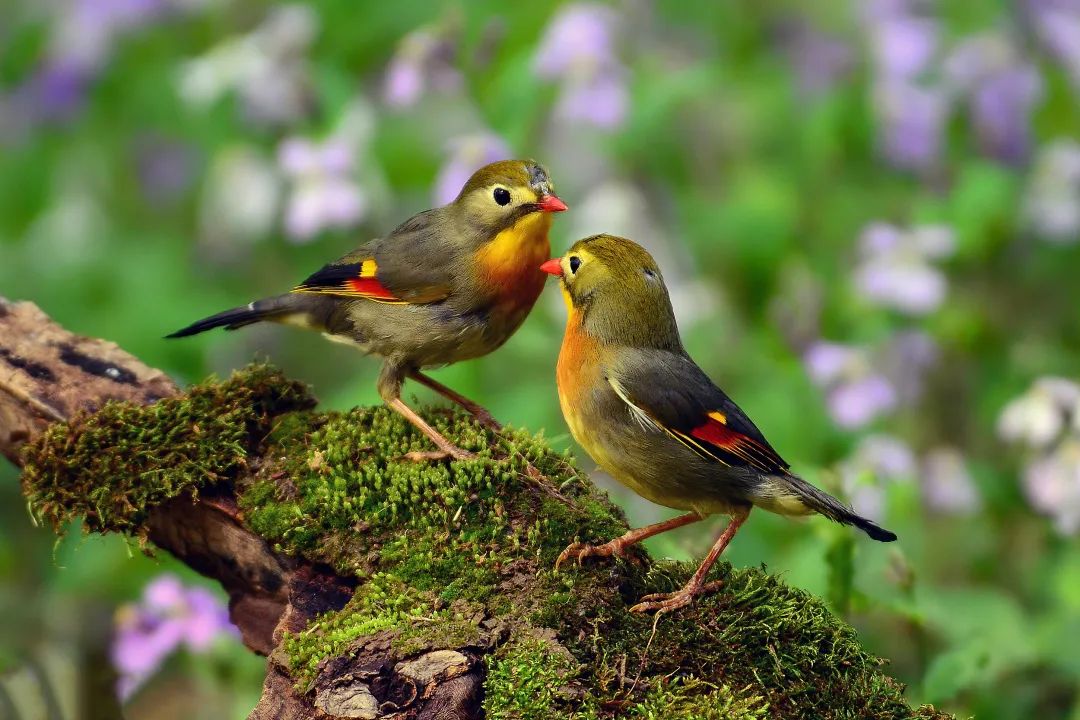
618	546
479	412
666	602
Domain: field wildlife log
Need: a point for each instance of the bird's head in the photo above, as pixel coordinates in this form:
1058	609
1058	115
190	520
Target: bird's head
614	289
501	194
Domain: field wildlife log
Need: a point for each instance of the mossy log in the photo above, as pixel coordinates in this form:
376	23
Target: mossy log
383	588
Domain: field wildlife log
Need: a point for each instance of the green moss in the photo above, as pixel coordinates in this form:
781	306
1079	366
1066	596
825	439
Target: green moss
461	554
111	466
382	603
756	632
337	490
689	698
527	680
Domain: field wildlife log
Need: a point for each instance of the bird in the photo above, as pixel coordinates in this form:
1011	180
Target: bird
650	417
448	284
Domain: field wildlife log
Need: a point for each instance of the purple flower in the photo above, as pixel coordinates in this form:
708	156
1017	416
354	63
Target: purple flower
423	59
905	359
1057	24
947	485
84	35
86	32
858	401
819	61
1001	91
895	271
578	49
911	112
912	119
1052	485
467	155
57	91
855	393
827	362
903	45
169	617
580	34
324	195
861	384
599	99
1052	199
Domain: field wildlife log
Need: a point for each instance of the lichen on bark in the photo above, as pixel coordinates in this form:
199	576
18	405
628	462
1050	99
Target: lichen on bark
458	557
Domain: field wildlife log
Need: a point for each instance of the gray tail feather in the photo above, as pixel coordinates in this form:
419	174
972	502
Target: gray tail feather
824	503
239	317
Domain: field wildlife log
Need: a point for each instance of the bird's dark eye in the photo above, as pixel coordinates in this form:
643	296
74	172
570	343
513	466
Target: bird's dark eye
575	263
502	196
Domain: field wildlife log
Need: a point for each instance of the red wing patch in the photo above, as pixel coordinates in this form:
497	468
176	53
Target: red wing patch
371	288
349	280
731	447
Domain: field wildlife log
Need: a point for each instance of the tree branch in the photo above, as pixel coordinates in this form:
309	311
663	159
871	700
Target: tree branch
380	588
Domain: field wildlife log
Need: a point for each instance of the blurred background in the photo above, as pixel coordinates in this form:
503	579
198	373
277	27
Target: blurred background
868	214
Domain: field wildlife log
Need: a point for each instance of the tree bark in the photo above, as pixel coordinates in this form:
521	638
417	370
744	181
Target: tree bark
48	374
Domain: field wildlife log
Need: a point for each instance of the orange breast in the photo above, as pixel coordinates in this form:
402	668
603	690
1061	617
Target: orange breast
576	374
510	264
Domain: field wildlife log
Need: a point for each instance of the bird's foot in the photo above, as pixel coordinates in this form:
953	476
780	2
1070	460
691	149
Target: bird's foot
581	551
450	453
666	602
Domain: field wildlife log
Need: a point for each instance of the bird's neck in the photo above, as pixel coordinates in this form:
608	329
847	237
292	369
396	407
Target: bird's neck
630	321
509	264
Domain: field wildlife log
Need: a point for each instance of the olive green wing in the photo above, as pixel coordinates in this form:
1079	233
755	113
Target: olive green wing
412	265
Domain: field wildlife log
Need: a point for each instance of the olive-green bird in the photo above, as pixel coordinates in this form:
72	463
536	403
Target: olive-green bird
448	284
650	416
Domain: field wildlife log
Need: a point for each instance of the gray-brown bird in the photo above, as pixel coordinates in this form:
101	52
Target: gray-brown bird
651	418
448	284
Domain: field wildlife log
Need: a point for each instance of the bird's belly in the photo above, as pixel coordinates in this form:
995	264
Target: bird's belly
422	335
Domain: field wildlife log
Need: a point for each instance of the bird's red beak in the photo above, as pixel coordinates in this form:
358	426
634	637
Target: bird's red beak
551	203
553	266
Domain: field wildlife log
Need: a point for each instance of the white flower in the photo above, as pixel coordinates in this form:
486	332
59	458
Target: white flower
947	484
240	198
1052	199
1052	484
1039	416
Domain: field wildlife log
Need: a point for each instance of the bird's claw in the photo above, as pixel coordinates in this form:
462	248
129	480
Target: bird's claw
666	602
580	551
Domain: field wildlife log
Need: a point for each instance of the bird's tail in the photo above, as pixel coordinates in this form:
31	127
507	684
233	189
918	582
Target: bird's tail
819	501
275	308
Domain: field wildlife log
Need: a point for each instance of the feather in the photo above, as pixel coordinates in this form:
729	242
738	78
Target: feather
349	280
